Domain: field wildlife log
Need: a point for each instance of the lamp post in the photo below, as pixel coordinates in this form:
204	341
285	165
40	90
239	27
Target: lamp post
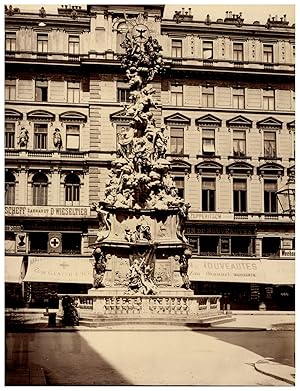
286	196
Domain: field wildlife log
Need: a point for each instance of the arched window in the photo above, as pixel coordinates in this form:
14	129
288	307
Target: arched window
10	186
40	189
72	189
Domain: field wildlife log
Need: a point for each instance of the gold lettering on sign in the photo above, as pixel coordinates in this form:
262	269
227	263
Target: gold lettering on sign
54	211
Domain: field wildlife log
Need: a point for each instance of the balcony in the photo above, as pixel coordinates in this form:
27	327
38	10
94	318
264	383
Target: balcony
256	217
45	154
230	65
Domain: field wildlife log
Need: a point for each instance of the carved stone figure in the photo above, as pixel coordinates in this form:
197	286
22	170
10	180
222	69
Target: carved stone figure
184	265
182	217
99	268
160	144
23	137
57	140
139	278
104	223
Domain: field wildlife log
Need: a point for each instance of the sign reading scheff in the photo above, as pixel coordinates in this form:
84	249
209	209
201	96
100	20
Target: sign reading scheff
47	211
247	271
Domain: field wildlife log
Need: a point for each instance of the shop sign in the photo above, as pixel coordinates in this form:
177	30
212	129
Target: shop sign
47	211
211	216
60	269
221	229
287	253
14	228
242	271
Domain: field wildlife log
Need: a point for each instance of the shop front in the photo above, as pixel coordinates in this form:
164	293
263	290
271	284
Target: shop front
40	278
246	284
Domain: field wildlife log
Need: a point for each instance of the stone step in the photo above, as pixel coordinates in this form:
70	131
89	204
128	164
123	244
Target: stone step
200	322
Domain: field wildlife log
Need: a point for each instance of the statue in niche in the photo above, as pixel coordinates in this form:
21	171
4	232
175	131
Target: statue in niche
104	223
99	268
183	268
23	137
57	140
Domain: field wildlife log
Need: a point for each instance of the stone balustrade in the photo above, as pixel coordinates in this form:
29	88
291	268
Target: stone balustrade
148	306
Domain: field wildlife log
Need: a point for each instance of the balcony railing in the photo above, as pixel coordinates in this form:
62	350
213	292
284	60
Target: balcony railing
171	61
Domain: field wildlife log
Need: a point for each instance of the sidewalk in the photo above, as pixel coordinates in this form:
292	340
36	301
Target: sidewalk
244	320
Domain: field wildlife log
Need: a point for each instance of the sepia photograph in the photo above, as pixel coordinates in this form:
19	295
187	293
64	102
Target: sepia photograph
149	157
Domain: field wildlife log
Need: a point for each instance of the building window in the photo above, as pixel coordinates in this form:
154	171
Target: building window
73	137
38	242
73	44
71	243
239	143
208	50
41	90
208	141
208	97
72	189
10	134
123	95
40	136
270	144
268	99
10	187
10	89
179	182
270	246
270	200
194	242
238	52
239	195
268	53
73	92
238	98
241	246
208	194
177	95
40	189
177	141
42	43
225	245
209	245
10	42
176	48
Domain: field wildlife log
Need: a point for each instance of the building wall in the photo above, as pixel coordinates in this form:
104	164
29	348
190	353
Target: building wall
96	67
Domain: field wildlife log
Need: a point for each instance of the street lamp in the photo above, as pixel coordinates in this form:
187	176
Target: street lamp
286	196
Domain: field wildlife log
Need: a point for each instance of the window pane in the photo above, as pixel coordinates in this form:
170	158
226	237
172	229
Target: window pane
208	183
72	141
239	184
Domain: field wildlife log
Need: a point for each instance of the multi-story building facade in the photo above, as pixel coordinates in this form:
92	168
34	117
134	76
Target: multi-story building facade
227	102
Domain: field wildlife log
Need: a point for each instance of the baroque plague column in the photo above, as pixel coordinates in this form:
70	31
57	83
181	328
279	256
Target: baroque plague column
141	248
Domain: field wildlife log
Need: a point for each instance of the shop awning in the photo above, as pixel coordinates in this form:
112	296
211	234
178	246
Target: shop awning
13	268
60	269
240	270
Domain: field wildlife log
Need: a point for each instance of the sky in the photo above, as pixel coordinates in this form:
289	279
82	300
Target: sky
251	11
